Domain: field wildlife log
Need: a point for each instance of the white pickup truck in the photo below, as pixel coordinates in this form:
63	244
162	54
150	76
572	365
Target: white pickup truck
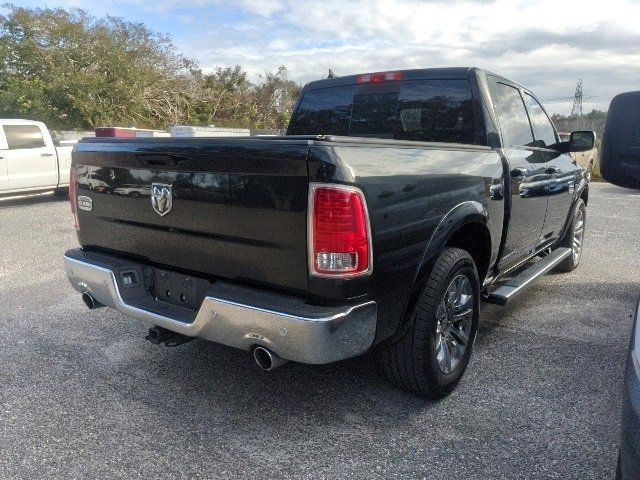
29	160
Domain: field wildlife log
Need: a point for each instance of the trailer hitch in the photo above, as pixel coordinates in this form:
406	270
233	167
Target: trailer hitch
158	335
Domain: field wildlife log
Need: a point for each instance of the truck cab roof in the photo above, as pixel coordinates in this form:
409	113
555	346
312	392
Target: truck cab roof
410	74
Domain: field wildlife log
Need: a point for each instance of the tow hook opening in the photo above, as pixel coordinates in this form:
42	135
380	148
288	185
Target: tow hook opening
266	359
158	335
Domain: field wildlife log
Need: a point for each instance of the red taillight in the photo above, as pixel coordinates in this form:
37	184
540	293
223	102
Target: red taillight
379	77
73	197
339	234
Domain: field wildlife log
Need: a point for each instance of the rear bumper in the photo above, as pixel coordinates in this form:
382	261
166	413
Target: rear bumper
233	315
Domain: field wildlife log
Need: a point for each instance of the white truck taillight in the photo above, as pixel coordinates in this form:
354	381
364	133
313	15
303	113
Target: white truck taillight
73	198
339	232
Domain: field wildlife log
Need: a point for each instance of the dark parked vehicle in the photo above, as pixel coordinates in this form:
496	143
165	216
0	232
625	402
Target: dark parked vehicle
397	202
629	459
620	165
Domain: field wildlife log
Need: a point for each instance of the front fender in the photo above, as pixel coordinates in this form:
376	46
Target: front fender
582	191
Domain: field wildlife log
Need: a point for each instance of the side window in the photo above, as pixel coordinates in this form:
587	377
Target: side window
542	127
23	136
514	120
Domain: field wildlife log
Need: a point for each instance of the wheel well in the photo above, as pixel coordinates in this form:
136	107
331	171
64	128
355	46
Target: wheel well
472	237
585	196
475	239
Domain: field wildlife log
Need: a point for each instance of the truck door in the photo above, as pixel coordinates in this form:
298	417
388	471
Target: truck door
30	156
4	179
527	172
560	168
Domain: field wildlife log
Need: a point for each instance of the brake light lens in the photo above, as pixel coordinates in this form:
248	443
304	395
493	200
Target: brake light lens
379	77
339	233
73	198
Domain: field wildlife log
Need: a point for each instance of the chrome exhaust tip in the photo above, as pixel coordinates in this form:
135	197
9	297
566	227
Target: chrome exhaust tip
266	359
90	302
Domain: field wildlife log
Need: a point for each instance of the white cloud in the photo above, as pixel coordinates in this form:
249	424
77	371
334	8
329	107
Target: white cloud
545	44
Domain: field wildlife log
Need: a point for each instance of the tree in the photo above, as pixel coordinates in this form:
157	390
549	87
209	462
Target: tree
594	120
72	70
275	97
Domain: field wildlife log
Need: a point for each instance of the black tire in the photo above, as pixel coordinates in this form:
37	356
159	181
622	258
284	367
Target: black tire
61	192
575	234
411	362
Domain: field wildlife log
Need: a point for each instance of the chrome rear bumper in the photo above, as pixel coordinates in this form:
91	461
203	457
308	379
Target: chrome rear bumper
233	315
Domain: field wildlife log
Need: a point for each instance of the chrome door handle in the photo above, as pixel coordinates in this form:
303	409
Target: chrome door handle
46	154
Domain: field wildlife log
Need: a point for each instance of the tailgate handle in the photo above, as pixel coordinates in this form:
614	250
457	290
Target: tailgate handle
161	160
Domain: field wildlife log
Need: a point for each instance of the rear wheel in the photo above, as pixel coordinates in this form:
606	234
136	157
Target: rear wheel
574	238
434	351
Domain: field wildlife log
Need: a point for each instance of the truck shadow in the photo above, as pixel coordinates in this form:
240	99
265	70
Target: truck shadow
205	382
16	201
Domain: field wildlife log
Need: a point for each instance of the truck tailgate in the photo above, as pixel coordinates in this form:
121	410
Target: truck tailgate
237	207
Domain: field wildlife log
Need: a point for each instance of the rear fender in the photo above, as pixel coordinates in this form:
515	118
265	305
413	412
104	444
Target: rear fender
462	214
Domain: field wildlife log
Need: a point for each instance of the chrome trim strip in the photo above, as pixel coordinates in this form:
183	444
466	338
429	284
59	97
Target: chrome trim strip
323	335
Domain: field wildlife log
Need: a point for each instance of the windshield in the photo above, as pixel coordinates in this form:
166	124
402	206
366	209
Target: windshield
422	110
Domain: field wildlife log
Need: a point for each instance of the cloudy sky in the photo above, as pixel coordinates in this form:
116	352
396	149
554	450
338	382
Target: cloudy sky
546	45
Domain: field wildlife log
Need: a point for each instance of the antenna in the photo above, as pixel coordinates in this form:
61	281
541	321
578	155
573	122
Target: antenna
576	111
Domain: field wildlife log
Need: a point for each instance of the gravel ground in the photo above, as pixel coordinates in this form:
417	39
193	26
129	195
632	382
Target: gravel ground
83	395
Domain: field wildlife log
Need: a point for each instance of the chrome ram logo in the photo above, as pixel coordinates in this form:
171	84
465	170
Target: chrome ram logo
161	198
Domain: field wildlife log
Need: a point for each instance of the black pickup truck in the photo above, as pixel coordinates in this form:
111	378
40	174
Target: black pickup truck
395	204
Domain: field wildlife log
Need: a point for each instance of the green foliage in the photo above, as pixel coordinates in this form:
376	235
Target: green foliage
72	70
594	120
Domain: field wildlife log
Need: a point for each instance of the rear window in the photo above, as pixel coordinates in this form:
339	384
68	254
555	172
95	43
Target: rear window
421	110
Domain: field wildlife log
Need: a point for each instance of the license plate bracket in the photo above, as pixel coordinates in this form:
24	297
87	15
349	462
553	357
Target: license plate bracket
180	289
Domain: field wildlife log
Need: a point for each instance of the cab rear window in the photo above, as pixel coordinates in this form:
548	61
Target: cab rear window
422	110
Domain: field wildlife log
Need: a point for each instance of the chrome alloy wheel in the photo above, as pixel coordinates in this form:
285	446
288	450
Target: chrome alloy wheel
578	233
455	318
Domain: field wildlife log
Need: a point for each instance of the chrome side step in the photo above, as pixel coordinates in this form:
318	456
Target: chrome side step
518	284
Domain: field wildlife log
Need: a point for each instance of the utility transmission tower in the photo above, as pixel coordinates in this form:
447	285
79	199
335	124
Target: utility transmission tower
576	111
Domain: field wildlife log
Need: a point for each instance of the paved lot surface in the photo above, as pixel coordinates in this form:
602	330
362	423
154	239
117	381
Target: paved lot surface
83	395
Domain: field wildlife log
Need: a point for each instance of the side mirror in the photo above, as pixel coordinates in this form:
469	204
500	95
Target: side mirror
620	155
582	141
579	141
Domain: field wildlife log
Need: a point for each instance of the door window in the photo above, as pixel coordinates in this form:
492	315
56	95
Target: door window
542	127
514	119
23	136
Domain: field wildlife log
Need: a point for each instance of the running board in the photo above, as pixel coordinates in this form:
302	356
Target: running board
518	284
